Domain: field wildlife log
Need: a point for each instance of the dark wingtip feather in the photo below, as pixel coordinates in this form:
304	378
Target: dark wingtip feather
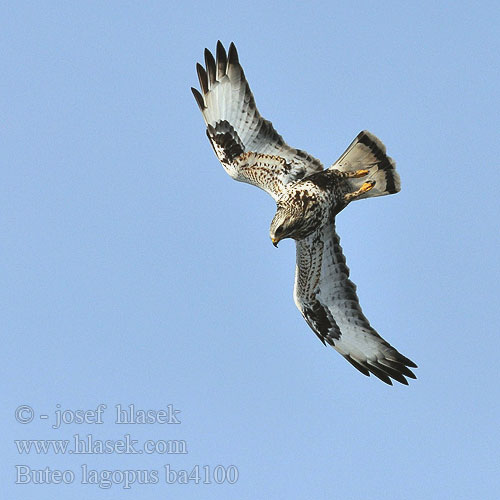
221	60
393	373
210	65
199	98
379	373
408	362
398	366
202	76
233	54
357	365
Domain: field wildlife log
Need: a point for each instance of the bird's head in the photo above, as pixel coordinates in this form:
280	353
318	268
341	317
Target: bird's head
280	225
293	219
288	222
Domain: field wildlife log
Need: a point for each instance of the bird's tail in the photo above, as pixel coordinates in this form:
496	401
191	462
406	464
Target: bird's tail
370	172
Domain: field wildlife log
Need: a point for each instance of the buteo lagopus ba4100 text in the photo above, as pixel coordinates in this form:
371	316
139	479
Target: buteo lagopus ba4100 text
308	198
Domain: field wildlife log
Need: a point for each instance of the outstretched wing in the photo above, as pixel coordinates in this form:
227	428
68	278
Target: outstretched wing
327	299
235	127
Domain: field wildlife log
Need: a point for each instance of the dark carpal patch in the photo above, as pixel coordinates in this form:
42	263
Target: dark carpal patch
321	322
226	138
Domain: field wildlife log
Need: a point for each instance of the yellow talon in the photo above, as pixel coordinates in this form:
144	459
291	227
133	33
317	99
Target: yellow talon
366	187
360	173
354	174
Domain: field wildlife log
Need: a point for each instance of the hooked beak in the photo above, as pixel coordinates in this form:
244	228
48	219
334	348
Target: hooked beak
275	241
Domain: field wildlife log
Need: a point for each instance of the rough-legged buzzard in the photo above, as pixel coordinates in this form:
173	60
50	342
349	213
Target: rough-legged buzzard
308	198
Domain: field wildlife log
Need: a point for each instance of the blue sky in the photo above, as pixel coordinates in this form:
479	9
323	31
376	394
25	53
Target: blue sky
136	271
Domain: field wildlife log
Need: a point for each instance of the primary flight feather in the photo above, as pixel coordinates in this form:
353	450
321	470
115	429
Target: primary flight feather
308	198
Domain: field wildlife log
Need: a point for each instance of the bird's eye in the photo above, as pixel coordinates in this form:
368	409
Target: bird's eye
279	230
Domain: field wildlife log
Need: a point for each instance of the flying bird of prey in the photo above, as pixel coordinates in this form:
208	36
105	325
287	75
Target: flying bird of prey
308	198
